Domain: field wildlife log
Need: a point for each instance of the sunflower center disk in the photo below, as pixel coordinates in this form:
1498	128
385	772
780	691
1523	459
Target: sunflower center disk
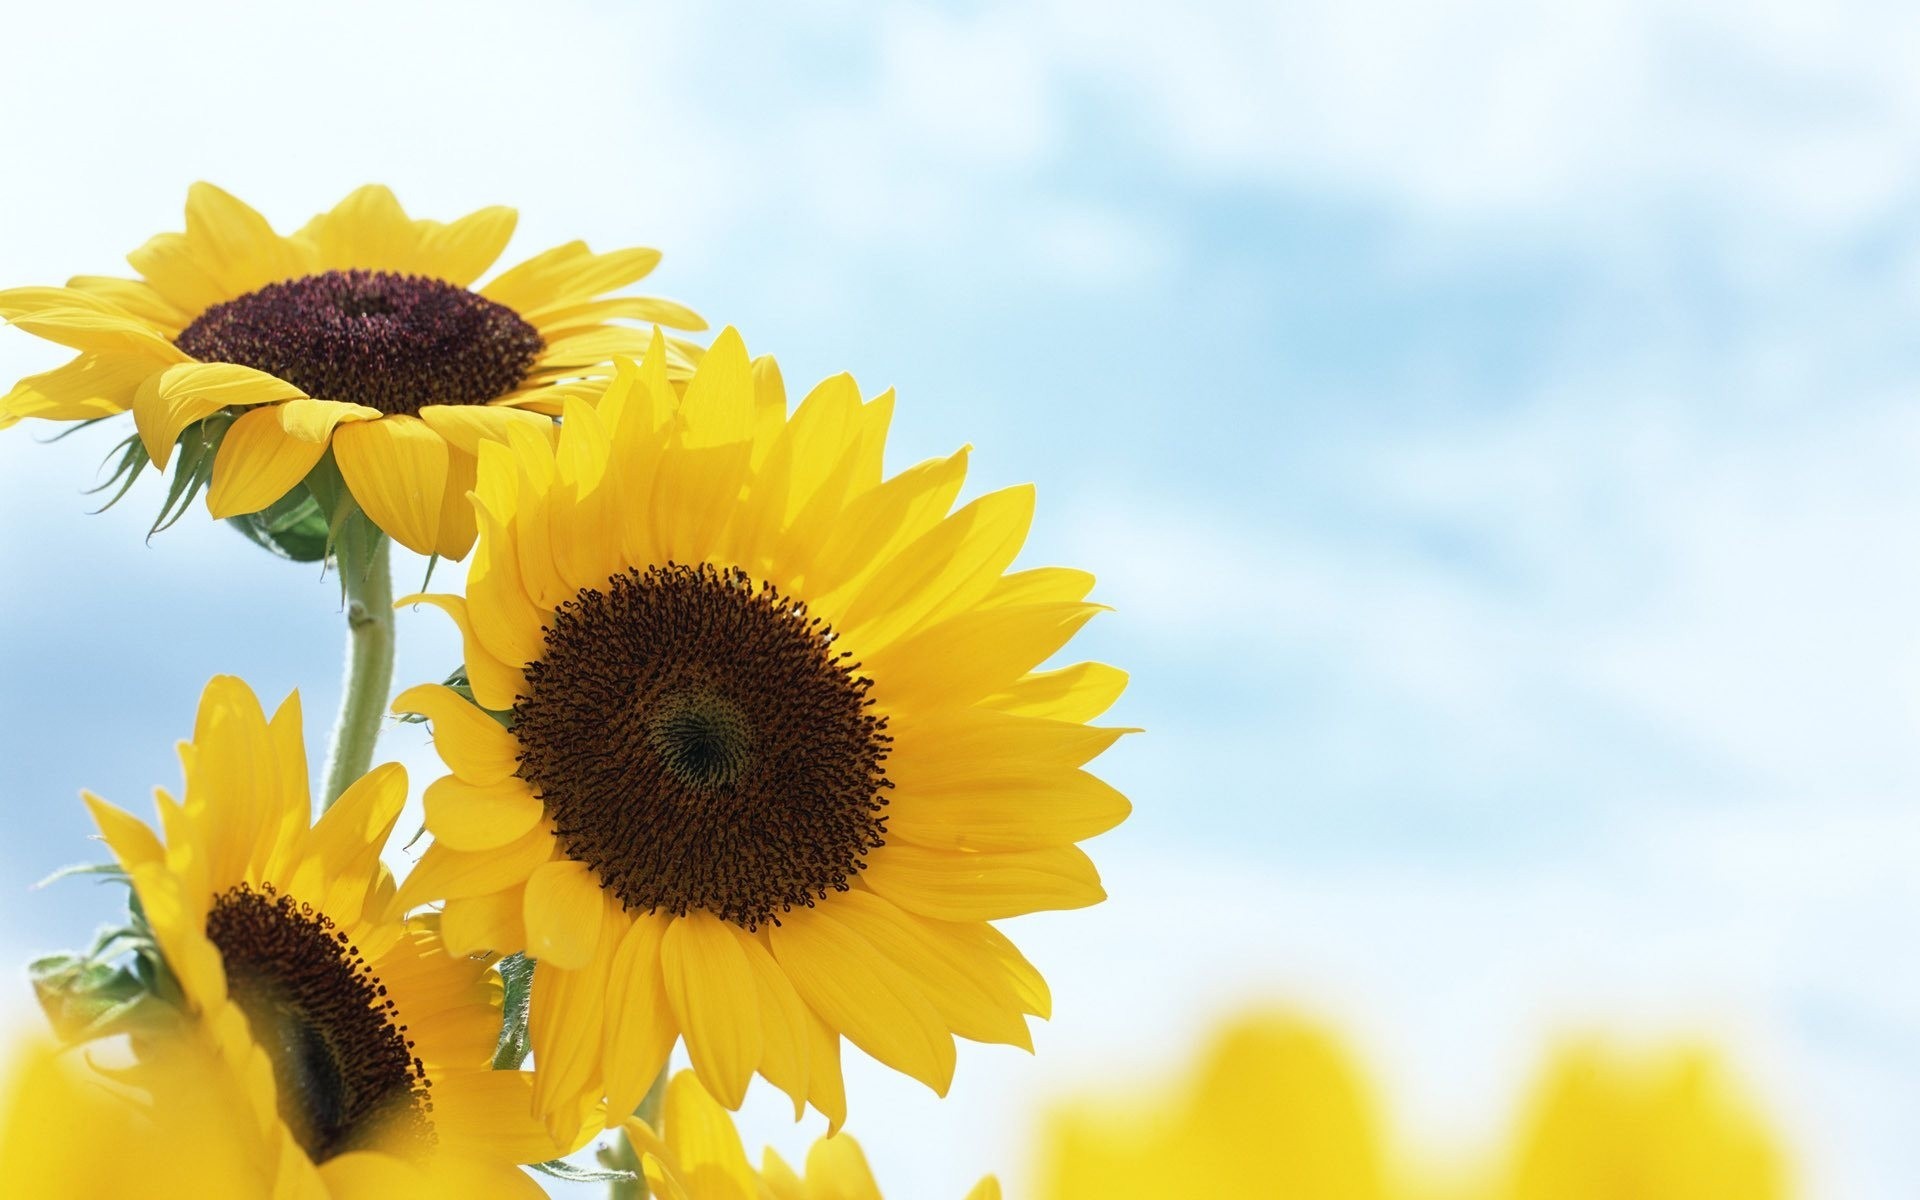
390	341
700	744
344	1072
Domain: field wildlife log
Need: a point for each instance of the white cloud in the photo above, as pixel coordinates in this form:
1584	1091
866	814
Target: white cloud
1495	107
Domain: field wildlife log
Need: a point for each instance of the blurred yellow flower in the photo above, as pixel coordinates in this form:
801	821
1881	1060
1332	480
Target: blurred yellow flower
161	1130
1275	1109
698	1156
1671	1126
780	750
1278	1109
361	332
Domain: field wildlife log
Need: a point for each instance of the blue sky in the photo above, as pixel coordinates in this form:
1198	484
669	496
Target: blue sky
1494	427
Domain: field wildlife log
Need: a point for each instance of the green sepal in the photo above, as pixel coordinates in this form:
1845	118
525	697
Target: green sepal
293	527
560	1168
85	998
192	468
351	539
114	873
516	973
133	463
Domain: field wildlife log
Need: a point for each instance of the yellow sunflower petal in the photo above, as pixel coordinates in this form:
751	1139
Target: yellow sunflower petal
715	1001
879	522
236	245
465	426
258	462
1039	586
461	251
695	488
92	385
972	655
133	296
1051	807
175	398
945	571
368	230
504	616
458	527
494	683
986	886
471	817
568	272
472	924
475	746
396	469
132	842
865	995
649	310
563	912
477	1110
661	1180
784	1052
970	996
837	1167
779	1177
705	1147
643	1031
174	269
447	874
1077	693
340	855
954	747
826	1087
564	1026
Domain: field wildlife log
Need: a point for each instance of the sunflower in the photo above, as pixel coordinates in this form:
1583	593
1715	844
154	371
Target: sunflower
698	1156
361	1046
773	749
1277	1107
69	1128
1605	1125
362	332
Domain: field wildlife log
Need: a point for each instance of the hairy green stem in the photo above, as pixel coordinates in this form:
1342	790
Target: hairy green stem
363	698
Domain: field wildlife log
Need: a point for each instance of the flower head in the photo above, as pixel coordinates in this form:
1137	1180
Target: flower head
360	1046
361	334
160	1129
773	746
1606	1125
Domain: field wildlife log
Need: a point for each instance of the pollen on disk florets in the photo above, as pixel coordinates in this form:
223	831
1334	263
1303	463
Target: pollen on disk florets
701	744
344	1070
390	341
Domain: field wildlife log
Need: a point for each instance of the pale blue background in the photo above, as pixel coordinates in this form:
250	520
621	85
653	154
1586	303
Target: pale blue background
1494	424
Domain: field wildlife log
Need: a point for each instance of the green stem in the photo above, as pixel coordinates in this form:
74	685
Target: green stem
621	1155
363	698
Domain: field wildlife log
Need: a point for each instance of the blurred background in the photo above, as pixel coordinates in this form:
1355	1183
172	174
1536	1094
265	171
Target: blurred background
1494	426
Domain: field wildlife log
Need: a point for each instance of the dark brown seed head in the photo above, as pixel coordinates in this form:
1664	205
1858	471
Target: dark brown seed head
700	744
344	1071
390	341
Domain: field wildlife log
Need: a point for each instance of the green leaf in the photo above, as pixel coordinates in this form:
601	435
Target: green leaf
516	972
